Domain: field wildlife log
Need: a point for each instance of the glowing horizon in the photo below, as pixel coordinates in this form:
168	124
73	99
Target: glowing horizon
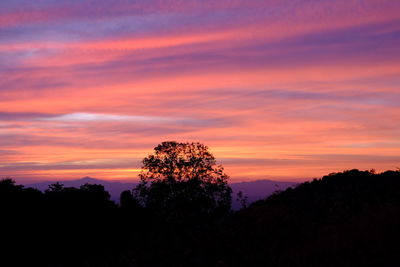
277	89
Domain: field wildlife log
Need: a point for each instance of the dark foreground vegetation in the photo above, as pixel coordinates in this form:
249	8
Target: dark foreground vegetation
182	218
344	219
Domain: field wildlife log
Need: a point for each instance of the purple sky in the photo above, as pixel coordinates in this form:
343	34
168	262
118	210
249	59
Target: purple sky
277	89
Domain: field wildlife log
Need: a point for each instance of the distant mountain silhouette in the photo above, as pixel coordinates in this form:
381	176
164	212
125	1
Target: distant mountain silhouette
254	190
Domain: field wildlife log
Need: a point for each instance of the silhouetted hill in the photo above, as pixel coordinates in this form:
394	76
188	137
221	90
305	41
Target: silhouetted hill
254	190
344	219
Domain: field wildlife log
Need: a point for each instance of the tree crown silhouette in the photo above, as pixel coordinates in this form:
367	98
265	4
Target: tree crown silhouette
183	176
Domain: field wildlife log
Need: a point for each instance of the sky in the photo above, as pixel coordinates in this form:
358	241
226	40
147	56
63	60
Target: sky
277	89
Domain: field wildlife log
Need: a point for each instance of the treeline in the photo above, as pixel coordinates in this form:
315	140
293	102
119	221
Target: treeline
350	218
344	219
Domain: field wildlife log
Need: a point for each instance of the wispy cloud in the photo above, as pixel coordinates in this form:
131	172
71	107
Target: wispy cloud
88	117
281	88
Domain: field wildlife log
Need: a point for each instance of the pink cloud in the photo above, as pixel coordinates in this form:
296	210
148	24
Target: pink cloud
285	89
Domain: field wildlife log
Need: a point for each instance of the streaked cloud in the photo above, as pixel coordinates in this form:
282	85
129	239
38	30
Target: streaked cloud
87	117
278	89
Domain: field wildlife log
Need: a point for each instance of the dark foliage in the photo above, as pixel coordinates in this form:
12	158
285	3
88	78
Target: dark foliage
182	182
344	219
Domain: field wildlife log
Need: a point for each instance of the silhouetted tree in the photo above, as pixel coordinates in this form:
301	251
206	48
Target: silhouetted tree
349	218
7	184
242	199
56	187
95	194
128	201
183	179
336	220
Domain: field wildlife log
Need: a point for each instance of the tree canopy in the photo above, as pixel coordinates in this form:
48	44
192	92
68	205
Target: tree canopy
184	178
344	219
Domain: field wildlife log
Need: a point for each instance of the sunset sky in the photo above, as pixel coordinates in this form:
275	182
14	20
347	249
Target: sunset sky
278	89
